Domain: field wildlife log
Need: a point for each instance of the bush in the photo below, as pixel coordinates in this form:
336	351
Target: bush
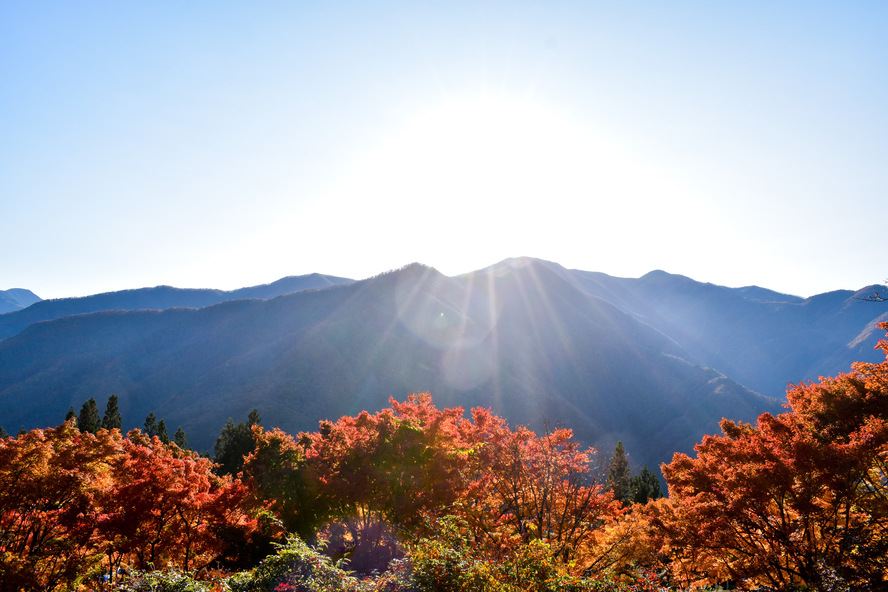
164	581
451	562
295	567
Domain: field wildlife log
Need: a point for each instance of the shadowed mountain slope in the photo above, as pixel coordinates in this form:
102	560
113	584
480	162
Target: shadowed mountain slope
158	298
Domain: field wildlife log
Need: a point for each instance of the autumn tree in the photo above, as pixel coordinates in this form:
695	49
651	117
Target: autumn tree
396	463
401	469
800	498
526	487
384	471
49	482
167	507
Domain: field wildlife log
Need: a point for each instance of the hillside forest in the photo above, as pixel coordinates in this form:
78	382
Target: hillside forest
417	498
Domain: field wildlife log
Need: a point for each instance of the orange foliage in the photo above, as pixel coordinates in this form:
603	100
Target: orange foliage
522	487
797	498
69	499
411	464
49	482
167	507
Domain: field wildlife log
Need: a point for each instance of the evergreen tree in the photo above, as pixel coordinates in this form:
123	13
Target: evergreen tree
235	442
180	439
151	425
162	432
3	433
71	413
112	417
618	474
644	486
89	420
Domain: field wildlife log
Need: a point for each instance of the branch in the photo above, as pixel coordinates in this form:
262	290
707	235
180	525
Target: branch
875	297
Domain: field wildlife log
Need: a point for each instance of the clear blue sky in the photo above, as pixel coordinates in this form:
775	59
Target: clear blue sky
225	144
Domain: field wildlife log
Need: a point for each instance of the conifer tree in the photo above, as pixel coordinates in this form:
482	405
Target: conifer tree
644	486
89	420
618	474
3	433
234	443
162	432
112	417
71	413
180	439
151	425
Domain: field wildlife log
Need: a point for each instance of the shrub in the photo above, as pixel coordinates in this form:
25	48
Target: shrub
452	563
295	567
171	580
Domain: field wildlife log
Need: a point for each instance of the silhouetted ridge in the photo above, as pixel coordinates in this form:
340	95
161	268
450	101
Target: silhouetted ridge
156	298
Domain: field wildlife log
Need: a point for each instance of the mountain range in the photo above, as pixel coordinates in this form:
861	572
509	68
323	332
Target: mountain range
654	362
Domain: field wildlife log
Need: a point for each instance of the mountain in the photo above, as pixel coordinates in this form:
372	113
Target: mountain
760	338
158	298
655	362
16	299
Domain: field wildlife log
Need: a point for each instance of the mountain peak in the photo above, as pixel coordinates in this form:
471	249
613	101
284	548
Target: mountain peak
16	299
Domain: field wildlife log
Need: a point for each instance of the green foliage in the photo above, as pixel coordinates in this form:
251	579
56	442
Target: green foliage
112	417
618	474
150	425
162	432
171	580
451	562
295	567
89	420
71	414
180	439
235	442
644	486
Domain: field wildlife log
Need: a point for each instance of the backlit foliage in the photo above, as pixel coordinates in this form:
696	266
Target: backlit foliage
800	498
72	503
363	479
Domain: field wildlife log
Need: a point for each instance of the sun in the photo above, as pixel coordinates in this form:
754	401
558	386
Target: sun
468	182
482	154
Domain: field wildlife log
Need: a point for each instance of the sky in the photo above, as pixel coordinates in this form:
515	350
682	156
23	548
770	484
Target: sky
214	144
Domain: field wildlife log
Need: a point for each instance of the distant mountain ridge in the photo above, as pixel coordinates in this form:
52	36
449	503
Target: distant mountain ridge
157	298
655	362
16	299
761	338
